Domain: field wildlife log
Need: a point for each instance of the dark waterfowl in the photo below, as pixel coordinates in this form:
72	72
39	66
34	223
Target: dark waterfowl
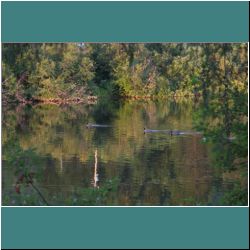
175	132
89	125
171	132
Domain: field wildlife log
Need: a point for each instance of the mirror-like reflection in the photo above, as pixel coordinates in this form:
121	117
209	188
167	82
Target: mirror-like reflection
119	164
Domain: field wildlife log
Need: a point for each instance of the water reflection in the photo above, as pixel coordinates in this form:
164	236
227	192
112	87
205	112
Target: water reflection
77	165
96	179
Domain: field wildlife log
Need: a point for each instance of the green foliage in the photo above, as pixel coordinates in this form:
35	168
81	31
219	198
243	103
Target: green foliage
235	197
23	161
66	70
26	166
42	71
223	118
94	196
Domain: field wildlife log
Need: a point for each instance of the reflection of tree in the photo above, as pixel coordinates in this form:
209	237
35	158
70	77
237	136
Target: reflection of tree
152	169
96	179
223	119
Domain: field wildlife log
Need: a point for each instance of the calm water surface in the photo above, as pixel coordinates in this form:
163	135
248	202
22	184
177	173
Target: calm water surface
118	164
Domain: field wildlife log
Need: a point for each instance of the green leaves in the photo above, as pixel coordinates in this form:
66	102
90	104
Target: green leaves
53	70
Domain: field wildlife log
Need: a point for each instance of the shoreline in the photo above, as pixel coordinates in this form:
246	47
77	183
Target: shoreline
55	101
94	99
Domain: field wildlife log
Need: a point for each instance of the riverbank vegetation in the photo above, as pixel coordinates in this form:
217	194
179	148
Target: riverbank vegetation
74	71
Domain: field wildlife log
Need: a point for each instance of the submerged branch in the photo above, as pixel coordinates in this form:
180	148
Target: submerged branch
39	193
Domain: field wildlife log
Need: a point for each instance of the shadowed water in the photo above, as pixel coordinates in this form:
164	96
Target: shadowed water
114	162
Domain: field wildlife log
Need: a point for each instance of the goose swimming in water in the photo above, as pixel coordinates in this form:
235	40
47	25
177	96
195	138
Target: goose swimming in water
171	132
175	132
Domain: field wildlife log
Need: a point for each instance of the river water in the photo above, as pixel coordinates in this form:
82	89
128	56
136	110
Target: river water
116	164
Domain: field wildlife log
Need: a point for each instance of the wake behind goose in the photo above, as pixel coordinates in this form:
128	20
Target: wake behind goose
155	131
172	132
90	125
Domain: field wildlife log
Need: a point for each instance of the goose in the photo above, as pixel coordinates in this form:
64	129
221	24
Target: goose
175	132
172	132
